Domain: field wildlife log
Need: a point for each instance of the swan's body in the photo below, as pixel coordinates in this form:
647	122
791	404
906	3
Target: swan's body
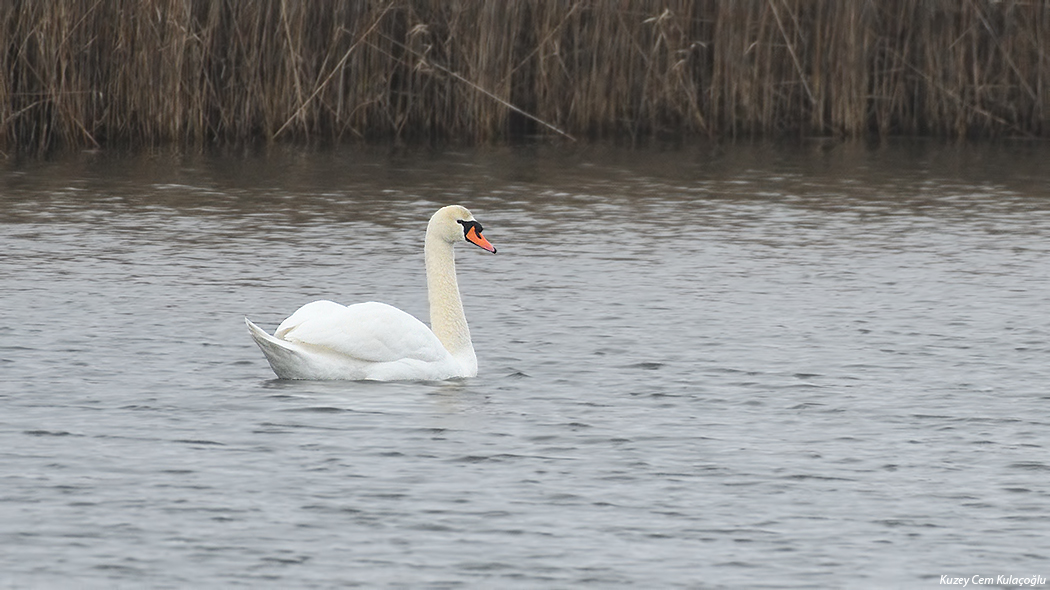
326	340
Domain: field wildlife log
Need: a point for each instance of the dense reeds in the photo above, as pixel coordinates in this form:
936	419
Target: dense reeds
84	73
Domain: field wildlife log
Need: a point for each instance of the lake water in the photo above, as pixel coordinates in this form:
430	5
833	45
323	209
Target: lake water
747	366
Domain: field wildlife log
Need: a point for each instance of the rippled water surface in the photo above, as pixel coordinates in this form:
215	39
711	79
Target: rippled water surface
748	366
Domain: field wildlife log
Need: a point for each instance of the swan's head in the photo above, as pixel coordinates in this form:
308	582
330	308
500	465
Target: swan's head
455	224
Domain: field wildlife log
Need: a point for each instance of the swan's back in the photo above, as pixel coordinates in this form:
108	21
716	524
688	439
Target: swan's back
372	331
326	340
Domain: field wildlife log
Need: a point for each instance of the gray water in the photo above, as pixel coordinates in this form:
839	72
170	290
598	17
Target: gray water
739	367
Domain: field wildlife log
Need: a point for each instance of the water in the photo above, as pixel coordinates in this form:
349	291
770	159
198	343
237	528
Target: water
754	366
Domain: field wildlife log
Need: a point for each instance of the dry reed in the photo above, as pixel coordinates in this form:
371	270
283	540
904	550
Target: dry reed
87	73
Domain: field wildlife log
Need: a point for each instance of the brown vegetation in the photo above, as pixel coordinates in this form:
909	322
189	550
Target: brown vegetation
83	73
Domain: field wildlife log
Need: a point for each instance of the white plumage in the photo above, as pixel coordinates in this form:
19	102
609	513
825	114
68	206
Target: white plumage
326	340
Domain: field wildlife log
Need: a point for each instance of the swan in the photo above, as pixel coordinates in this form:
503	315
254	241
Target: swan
326	340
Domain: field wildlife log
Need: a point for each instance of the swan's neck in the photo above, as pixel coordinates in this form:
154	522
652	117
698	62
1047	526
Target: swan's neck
447	319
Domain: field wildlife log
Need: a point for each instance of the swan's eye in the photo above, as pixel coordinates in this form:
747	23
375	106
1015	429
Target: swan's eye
469	224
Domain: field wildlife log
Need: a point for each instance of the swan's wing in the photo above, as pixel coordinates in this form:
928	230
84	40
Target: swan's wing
374	332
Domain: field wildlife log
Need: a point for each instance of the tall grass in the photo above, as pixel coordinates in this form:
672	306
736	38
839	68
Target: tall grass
87	73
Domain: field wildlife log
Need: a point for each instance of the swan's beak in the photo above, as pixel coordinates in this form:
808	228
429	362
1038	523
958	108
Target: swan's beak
474	237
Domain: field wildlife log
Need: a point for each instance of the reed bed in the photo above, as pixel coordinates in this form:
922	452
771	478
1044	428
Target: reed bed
135	73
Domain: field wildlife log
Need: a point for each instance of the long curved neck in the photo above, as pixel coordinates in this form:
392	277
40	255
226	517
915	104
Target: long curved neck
447	319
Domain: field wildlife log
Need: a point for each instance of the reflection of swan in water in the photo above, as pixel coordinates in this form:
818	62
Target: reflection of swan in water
325	340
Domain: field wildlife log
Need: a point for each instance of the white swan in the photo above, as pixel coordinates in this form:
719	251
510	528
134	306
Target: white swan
325	340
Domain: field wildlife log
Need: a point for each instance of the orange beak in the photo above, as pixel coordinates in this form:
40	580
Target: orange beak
479	240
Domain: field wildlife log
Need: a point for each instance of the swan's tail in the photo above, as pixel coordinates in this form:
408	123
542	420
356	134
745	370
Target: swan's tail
281	355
